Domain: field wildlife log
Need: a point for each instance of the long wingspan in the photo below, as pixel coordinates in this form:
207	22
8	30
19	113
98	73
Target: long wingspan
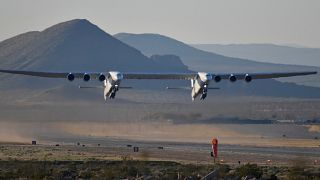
178	76
112	85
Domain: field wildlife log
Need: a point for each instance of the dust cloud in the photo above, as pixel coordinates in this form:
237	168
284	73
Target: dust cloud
314	128
50	132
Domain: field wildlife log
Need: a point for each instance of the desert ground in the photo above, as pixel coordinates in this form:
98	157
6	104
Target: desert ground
114	158
92	148
272	127
269	132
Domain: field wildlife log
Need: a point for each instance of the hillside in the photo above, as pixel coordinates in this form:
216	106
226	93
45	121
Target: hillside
76	45
199	60
79	45
266	53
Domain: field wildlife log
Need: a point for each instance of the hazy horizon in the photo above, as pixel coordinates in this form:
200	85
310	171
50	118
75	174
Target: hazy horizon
205	22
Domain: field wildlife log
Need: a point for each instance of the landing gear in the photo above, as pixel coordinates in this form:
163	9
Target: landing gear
204	92
112	95
203	96
113	91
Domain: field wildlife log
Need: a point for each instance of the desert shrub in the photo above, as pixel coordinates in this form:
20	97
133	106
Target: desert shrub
296	171
86	174
223	170
249	170
129	170
109	173
31	169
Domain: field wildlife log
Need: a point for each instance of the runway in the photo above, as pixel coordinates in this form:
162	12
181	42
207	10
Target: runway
194	153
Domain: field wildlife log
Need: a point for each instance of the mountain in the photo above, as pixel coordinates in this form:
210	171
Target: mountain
75	45
199	60
79	45
266	53
151	44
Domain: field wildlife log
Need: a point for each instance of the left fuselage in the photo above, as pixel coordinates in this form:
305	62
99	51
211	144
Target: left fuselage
111	84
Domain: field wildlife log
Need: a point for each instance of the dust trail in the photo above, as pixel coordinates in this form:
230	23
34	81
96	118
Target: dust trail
25	132
151	131
314	128
46	132
12	132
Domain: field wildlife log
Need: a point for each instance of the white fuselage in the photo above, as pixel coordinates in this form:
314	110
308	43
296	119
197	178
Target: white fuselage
200	84
111	84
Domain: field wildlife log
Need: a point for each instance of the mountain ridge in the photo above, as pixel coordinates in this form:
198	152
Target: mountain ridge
78	45
271	53
200	60
74	35
72	46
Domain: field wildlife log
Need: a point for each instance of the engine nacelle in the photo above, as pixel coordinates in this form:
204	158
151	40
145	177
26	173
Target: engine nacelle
248	78
70	77
86	77
233	78
217	78
102	77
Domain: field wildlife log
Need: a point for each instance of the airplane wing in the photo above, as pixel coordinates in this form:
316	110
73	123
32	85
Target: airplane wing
189	76
49	74
110	89
241	76
95	75
178	76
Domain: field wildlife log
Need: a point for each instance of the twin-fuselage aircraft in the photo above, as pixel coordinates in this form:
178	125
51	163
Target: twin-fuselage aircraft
199	81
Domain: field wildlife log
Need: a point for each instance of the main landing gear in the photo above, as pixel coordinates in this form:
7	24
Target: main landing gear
113	91
204	92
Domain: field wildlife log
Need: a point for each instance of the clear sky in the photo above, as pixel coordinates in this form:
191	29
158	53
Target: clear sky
191	21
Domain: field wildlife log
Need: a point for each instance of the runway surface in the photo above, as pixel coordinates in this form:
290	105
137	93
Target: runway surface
116	148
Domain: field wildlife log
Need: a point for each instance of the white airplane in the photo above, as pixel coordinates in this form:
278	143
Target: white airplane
199	81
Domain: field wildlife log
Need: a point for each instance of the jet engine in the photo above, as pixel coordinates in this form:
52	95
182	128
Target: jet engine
102	77
248	78
217	78
70	77
86	77
233	78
